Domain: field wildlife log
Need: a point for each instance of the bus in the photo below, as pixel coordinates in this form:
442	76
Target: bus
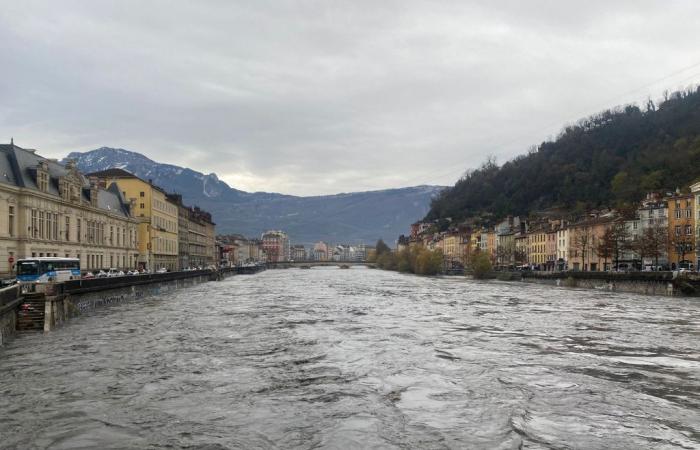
45	269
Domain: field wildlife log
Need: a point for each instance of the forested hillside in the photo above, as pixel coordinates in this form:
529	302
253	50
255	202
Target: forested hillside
608	159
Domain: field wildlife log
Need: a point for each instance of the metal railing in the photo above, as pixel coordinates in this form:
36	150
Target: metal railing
96	284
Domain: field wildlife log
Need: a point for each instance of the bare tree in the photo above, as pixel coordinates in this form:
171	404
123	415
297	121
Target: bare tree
606	246
683	245
620	240
582	242
653	242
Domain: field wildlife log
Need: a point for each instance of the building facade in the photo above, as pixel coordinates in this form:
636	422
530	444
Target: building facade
157	217
196	235
47	209
681	230
275	244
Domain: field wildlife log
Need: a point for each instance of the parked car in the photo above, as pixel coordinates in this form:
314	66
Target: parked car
162	270
112	272
88	275
101	274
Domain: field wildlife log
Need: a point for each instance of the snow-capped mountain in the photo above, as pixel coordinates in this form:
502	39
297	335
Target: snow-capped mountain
348	217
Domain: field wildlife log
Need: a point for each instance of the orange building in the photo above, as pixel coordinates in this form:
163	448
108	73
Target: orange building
681	226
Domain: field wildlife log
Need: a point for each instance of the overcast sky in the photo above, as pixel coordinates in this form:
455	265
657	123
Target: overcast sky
317	97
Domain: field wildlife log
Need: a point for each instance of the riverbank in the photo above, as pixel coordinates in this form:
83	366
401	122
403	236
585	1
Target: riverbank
665	284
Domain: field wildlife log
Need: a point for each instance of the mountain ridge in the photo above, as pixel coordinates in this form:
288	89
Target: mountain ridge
343	217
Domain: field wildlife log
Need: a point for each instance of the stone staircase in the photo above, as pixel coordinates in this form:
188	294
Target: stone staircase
30	315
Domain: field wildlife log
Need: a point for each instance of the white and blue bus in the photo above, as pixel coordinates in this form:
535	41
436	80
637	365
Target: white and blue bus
45	269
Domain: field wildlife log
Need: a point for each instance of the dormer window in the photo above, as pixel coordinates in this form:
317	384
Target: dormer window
42	180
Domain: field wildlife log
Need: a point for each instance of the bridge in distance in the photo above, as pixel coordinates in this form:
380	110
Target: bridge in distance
291	264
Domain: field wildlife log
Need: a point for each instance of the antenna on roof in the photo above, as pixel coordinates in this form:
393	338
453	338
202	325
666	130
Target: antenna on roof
12	141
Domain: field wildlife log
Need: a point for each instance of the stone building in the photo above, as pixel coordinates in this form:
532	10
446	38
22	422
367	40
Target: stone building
157	218
276	246
47	209
196	235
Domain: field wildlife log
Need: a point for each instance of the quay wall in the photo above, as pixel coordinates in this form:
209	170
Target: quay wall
664	284
9	300
61	301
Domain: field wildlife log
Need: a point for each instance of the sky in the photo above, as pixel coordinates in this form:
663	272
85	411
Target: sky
321	97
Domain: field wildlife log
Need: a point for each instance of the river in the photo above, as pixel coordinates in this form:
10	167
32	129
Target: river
360	358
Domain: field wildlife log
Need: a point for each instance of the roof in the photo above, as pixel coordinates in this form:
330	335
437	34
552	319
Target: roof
18	168
124	174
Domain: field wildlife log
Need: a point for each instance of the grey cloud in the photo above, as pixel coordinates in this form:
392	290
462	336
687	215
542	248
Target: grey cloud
310	97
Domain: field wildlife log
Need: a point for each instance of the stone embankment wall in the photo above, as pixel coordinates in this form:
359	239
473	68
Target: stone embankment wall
9	299
654	283
61	301
82	301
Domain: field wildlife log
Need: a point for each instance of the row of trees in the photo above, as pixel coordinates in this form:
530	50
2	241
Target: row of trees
418	260
617	241
421	261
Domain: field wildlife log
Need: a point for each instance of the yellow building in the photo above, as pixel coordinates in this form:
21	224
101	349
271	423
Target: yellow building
157	217
536	247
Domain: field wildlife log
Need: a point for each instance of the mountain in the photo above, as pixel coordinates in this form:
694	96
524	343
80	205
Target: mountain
351	217
610	159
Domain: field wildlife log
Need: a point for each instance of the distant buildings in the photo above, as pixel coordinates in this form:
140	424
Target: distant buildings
298	253
237	250
276	246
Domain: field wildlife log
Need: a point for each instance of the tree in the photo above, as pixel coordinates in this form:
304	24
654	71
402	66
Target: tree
382	248
620	240
582	242
606	246
653	242
481	265
429	262
683	245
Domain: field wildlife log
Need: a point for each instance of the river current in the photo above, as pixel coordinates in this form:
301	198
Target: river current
360	358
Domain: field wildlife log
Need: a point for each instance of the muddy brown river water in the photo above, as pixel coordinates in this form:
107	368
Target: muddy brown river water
360	358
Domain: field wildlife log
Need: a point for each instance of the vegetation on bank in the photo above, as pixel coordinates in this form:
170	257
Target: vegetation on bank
418	260
421	261
609	159
481	265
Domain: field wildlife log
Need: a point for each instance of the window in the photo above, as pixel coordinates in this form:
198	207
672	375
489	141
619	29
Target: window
688	230
41	224
678	230
67	229
142	194
78	230
688	213
11	221
142	206
43	181
111	236
678	214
